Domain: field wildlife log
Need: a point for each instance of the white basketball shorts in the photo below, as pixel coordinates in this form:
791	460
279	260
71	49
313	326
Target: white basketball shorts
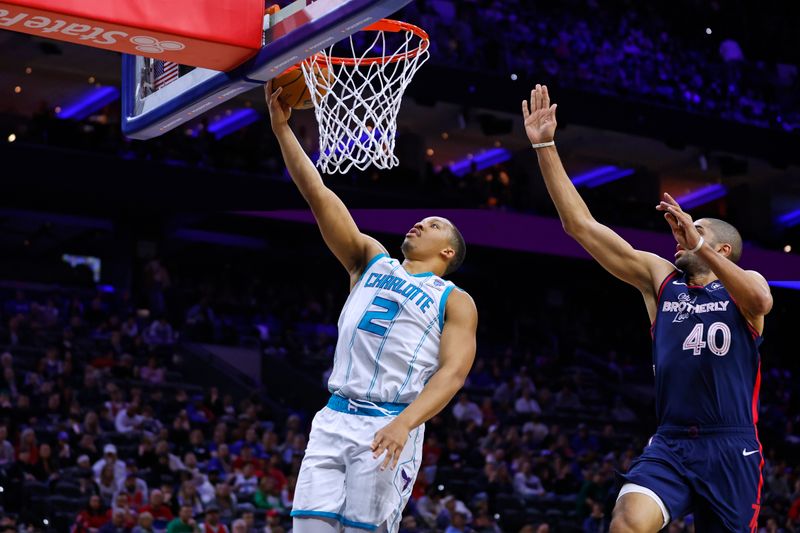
340	479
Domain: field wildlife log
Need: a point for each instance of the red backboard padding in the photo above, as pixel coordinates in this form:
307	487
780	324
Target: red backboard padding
216	34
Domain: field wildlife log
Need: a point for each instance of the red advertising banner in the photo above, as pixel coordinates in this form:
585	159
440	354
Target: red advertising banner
215	34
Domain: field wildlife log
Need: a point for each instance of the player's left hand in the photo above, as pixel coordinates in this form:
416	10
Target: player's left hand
391	439
279	111
680	223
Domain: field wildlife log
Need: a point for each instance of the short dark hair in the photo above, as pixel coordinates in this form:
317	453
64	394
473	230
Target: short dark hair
725	233
459	247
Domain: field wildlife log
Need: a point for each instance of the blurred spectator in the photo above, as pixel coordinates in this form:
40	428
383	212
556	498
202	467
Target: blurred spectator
221	460
268	496
245	483
28	449
465	410
526	483
144	524
188	497
430	506
160	512
115	466
525	404
212	522
596	522
107	484
135	489
130	328
128	420
160	333
123	504
6	449
595	489
450	507
225	501
152	373
46	466
458	523
184	523
92	517
537	430
583	442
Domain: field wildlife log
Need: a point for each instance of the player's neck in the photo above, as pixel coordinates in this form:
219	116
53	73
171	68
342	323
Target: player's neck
414	266
700	279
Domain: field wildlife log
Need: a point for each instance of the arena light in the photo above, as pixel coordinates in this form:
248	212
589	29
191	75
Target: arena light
222	239
230	123
790	219
794	285
702	196
484	160
601	175
89	102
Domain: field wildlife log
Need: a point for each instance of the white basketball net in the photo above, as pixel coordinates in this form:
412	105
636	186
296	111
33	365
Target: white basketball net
357	111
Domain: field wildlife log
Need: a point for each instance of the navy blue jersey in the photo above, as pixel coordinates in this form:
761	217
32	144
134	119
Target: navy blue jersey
705	357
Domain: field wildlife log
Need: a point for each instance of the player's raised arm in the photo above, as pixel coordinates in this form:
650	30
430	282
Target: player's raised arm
641	269
456	354
351	247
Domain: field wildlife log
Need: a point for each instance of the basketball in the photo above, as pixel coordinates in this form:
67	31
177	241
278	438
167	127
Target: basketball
295	90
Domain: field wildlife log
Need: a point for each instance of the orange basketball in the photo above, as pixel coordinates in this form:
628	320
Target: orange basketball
295	91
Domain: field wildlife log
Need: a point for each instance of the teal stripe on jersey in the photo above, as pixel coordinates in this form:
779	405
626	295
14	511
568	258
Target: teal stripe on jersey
355	331
372	262
302	513
383	343
443	305
414	358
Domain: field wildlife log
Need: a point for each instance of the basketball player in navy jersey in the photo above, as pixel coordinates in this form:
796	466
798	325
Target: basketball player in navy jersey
707	315
406	344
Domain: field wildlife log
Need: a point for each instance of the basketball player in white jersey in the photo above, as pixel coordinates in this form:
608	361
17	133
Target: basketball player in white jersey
406	344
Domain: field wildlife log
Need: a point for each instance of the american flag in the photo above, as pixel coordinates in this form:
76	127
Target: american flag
164	72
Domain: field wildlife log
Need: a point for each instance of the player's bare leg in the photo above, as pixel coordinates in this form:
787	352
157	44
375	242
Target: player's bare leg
315	525
636	513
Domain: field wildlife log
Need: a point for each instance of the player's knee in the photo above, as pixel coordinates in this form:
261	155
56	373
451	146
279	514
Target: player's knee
623	523
625	520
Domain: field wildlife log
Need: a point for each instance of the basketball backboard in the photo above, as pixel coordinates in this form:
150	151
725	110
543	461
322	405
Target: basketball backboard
298	31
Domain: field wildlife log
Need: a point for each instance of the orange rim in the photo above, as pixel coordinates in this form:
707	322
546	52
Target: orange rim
394	26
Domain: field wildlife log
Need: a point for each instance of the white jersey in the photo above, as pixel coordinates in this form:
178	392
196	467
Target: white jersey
389	333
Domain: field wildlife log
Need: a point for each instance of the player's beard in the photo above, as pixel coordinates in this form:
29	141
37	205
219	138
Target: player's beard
691	264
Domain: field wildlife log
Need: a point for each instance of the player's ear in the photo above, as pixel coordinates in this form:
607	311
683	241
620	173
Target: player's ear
724	249
448	253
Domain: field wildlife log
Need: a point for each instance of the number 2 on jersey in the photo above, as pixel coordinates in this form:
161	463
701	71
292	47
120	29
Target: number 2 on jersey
694	341
390	310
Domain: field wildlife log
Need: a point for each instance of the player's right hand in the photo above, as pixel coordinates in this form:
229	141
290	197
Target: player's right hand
279	112
540	116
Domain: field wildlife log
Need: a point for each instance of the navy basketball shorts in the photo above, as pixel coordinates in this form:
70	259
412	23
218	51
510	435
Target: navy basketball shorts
714	473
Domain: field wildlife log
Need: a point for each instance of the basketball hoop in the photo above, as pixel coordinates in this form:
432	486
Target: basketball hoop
357	108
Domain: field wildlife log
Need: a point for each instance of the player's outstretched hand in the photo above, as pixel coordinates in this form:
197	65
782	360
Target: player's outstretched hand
391	439
279	112
680	223
540	116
